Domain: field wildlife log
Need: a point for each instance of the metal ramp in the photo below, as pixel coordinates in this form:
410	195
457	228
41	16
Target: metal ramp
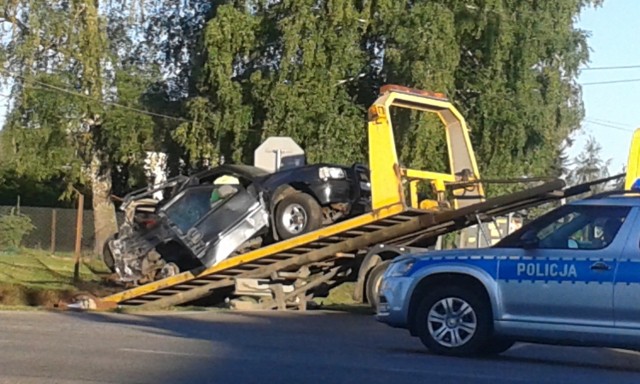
326	244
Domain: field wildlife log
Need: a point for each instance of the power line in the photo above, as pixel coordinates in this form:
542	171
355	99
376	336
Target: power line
612	82
622	125
109	103
604	123
588	121
610	68
608	126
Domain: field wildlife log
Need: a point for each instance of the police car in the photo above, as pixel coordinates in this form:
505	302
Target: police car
570	277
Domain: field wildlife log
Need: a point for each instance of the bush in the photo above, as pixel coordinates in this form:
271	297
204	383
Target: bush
13	228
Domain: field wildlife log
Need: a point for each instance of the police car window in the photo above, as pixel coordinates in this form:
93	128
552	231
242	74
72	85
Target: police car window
547	231
583	227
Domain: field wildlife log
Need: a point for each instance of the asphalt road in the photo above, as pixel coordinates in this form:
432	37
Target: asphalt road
265	348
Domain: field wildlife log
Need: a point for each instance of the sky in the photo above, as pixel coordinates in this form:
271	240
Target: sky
612	111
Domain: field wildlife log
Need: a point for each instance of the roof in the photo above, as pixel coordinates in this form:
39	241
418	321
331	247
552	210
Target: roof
239	169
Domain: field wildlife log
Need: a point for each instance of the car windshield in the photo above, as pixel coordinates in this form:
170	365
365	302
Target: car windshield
197	202
572	227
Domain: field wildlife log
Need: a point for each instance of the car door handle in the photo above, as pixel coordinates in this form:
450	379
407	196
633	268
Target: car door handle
600	266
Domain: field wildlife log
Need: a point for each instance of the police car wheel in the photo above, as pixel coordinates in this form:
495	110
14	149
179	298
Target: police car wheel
454	321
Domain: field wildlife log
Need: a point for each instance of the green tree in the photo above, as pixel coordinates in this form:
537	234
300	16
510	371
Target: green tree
241	70
277	69
76	86
517	82
308	69
589	166
13	228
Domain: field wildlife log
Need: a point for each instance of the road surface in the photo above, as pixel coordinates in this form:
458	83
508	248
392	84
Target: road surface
268	347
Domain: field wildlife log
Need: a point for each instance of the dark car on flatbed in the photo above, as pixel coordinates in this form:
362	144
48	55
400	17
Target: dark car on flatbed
214	214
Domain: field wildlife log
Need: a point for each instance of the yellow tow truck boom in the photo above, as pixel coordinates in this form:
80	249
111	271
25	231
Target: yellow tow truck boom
386	173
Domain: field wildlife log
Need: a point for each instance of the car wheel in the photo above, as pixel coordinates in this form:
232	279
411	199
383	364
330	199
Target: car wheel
107	255
373	283
296	214
497	345
454	321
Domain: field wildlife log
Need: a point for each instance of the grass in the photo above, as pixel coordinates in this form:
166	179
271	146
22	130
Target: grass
35	278
341	299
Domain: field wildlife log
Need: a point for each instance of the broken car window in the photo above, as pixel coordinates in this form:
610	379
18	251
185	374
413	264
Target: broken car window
190	207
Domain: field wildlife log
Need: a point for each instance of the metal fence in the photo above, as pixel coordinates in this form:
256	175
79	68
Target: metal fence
56	228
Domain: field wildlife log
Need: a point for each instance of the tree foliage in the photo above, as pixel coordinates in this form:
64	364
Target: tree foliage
589	166
13	228
76	86
62	93
308	69
228	74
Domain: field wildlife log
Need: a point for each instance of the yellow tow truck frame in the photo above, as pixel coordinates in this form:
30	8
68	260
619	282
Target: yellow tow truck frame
633	162
387	176
293	268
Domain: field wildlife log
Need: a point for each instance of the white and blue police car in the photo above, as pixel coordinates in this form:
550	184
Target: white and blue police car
570	277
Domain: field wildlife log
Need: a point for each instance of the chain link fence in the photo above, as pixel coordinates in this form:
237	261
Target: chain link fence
56	228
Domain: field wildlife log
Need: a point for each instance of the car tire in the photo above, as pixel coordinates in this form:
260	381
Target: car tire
372	287
107	256
496	346
296	214
454	321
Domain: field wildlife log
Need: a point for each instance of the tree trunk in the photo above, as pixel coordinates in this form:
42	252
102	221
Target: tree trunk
104	213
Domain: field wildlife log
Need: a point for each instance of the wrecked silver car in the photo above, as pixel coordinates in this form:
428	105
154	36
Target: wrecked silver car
201	225
209	216
213	221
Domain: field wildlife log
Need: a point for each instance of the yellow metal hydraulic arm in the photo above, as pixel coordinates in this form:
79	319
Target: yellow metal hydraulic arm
633	163
388	176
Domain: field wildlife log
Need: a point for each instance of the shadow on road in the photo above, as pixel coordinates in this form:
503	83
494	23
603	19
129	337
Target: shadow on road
247	347
327	347
568	357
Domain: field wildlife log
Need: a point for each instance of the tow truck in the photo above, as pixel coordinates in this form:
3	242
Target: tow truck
288	274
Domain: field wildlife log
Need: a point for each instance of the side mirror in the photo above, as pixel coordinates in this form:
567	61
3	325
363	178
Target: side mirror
529	240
